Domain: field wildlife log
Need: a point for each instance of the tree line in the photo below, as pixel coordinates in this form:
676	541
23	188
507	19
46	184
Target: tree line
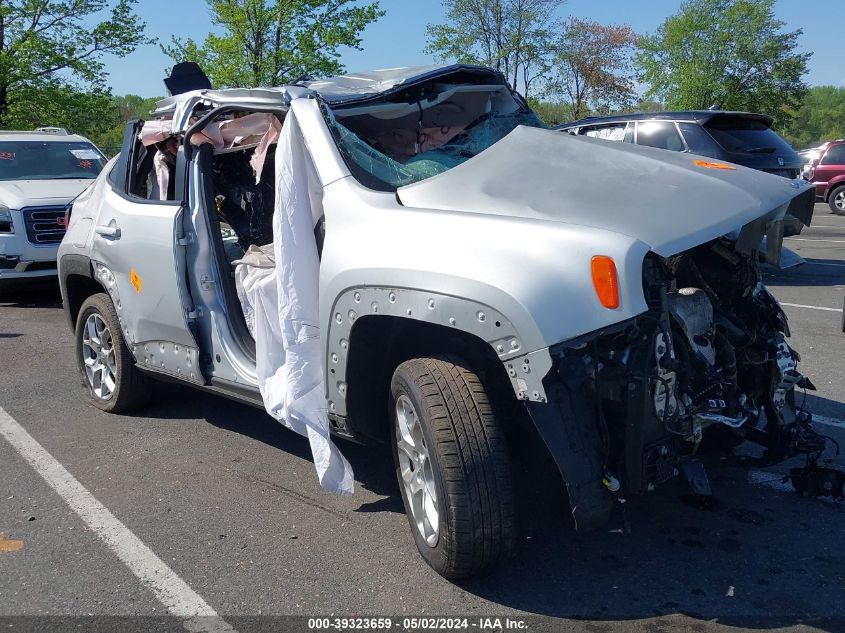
734	54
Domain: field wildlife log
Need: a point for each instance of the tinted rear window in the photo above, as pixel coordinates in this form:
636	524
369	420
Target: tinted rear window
746	136
48	160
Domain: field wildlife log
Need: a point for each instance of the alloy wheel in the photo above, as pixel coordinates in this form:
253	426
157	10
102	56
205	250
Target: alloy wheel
99	357
416	471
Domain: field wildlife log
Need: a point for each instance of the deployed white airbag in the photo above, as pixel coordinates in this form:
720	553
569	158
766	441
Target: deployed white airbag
280	303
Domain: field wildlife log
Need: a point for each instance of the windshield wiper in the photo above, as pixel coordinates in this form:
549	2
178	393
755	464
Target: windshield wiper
760	150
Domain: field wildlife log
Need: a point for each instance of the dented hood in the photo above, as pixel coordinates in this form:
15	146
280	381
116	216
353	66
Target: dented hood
666	200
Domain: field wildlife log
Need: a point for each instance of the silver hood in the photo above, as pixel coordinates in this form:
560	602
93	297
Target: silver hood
663	199
17	194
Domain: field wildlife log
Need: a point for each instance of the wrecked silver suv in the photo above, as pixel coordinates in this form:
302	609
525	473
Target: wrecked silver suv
407	256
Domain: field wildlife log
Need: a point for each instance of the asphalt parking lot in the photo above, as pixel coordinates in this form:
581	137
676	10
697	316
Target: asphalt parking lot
228	501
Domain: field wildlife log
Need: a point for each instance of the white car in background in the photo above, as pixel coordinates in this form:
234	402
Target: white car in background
41	172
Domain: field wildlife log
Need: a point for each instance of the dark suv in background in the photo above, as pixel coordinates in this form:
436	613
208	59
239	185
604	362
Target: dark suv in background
827	171
743	138
735	137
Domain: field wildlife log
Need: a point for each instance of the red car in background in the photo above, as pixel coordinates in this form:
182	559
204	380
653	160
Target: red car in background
828	174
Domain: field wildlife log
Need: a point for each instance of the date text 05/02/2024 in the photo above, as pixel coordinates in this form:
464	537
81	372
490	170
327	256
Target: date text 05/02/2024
416	623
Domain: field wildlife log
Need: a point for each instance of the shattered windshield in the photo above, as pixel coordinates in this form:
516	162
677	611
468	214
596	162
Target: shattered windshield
386	155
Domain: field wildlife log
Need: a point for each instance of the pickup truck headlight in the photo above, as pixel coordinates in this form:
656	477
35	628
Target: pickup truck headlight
6	225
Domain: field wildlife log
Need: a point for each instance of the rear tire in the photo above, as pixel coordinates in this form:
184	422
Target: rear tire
110	380
451	457
836	200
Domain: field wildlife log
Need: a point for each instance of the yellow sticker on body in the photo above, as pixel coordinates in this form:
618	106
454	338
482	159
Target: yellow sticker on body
135	280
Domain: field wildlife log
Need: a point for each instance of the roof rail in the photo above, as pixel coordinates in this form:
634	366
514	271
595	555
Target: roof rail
52	130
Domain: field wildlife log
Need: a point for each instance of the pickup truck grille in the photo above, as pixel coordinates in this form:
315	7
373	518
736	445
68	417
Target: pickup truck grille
44	225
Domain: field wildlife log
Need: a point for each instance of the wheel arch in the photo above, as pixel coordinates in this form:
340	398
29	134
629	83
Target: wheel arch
379	343
832	186
77	283
405	320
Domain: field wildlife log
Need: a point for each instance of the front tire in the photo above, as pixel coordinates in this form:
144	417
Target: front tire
836	200
453	468
110	380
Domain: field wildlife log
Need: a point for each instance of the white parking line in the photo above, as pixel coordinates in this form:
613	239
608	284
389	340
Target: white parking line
806	239
173	592
799	305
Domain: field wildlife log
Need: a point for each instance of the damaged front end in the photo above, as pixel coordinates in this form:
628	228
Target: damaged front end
632	405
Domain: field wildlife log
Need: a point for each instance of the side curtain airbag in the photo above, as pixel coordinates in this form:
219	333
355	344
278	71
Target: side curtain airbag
282	307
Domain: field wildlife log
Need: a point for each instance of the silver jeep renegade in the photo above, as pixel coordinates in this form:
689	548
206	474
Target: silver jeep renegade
496	287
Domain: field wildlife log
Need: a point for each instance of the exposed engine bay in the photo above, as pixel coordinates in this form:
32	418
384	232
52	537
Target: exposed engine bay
720	358
707	366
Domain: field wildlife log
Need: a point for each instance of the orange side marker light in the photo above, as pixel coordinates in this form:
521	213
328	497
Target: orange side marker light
606	281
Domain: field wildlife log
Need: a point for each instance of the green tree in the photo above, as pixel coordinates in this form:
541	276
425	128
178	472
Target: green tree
272	42
552	112
728	52
821	117
592	65
512	36
134	107
648	105
124	108
88	112
92	113
46	44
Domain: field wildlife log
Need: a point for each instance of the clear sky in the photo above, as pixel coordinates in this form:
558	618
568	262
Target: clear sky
398	39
